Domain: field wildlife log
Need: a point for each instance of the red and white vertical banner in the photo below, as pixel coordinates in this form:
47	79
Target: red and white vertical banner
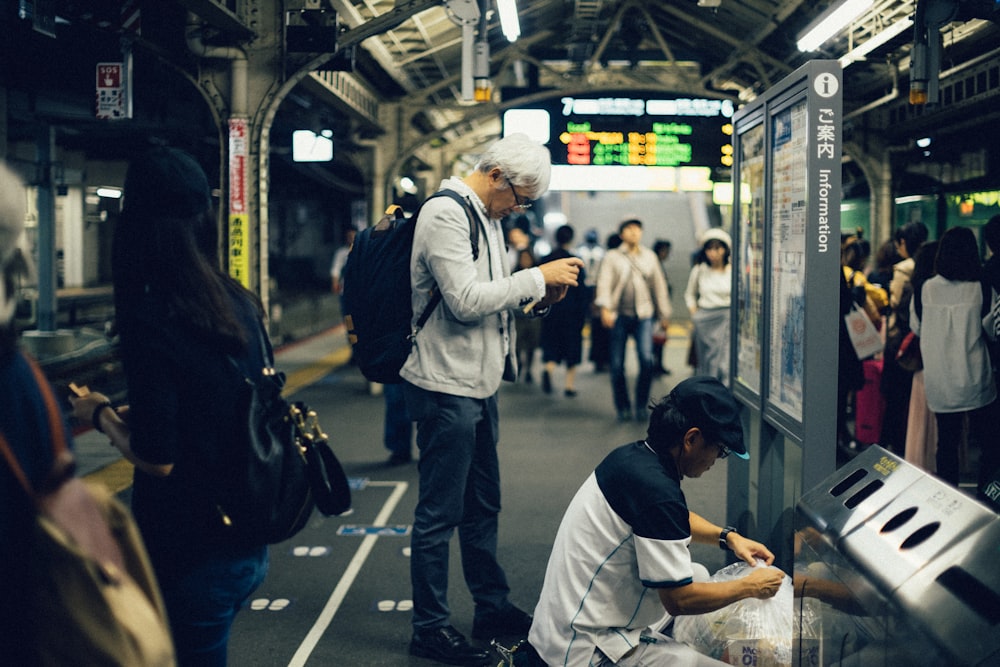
110	91
239	232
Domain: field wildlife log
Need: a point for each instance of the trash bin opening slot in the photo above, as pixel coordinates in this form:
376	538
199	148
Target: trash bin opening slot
898	520
863	494
974	593
848	482
920	535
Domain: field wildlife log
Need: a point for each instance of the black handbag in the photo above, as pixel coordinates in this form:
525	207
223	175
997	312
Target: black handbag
287	469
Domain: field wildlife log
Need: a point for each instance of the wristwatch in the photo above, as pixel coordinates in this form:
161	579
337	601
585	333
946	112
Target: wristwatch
722	538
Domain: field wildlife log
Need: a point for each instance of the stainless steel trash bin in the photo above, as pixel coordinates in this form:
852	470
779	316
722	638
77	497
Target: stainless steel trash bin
848	497
895	567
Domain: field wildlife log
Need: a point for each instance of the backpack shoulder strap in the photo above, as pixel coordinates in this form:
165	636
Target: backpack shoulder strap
473	240
63	465
470	214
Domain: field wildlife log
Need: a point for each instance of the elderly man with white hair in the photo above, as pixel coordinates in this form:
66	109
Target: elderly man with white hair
451	379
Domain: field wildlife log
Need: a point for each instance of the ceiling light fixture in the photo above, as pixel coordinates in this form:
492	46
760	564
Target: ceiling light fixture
830	22
859	52
109	192
509	23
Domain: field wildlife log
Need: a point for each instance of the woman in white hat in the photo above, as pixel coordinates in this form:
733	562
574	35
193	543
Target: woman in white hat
707	297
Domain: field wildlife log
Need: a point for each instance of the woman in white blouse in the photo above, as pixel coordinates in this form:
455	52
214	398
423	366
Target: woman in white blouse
707	297
957	373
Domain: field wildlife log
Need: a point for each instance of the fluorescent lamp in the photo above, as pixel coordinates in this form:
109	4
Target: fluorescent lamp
536	123
308	146
109	192
831	22
859	52
509	23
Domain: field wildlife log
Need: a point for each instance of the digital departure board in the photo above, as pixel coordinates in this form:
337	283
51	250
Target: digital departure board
635	130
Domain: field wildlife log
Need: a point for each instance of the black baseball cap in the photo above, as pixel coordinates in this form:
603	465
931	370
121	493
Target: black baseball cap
629	223
709	405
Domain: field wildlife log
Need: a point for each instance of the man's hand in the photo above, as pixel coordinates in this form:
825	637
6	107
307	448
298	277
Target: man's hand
763	582
561	272
748	550
553	293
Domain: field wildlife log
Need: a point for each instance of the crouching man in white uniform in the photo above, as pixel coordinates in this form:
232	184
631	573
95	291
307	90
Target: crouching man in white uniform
621	557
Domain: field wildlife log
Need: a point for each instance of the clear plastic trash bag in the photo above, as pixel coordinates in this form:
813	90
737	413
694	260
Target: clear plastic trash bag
752	632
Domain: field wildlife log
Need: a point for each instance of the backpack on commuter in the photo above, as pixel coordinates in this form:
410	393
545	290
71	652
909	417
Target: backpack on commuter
377	306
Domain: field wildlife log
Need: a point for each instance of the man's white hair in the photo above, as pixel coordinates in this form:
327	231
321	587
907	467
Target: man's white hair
13	254
524	162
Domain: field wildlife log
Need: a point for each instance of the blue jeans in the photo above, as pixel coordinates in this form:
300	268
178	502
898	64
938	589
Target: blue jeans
398	433
459	488
202	603
641	330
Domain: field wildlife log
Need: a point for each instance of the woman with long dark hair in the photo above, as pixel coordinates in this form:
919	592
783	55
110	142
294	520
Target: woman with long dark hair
957	374
182	323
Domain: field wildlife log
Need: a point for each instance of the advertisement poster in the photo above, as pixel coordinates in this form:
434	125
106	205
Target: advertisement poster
788	253
750	283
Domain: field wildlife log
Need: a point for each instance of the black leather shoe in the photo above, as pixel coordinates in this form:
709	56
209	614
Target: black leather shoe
447	645
509	622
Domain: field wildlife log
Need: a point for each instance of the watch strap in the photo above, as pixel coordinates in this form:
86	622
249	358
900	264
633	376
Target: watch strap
722	538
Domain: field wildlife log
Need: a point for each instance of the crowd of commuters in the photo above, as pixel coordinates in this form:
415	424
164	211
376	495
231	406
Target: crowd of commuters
937	312
190	334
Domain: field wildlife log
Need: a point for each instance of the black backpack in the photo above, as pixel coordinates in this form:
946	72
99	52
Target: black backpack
376	298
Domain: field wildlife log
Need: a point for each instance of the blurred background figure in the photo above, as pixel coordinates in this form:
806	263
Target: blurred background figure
921	425
592	252
24	425
632	294
707	298
885	259
897	377
991	273
339	261
397	435
562	329
337	268
600	336
79	590
662	249
529	329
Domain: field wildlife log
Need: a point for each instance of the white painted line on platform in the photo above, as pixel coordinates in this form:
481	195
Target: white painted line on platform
347	580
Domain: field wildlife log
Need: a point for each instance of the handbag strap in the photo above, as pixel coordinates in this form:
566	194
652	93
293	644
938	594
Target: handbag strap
63	464
264	354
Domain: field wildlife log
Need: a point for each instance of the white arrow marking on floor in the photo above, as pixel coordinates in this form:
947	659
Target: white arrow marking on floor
344	585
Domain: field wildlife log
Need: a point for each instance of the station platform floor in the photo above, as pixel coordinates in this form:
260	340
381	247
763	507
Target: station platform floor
338	593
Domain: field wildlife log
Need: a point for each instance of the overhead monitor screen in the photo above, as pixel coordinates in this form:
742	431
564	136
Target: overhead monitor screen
631	130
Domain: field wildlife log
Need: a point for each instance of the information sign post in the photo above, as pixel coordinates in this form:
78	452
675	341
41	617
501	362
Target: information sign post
786	259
